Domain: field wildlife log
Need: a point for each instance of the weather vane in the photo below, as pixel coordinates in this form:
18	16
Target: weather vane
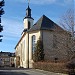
28	2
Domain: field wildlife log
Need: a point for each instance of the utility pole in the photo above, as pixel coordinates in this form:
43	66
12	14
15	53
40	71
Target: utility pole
1	13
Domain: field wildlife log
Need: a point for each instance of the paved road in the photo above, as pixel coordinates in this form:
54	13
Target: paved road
11	73
26	72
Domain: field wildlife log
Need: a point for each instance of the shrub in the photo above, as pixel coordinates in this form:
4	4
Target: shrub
71	67
39	51
51	66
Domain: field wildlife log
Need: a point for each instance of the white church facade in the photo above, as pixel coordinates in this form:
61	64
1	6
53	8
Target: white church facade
49	32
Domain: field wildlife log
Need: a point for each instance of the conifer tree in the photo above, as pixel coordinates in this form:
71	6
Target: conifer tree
39	51
1	13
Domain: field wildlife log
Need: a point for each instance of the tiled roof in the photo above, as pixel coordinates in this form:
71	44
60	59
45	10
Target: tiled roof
6	54
44	23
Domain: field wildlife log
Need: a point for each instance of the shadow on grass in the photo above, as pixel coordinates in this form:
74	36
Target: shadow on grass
12	73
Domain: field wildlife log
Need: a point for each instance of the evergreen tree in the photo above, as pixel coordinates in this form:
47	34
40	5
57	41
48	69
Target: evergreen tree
1	13
39	51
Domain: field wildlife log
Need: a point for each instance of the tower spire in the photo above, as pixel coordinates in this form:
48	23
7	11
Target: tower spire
28	10
28	2
28	20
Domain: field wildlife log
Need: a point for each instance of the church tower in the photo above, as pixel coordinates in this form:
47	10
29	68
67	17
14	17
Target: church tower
28	20
28	23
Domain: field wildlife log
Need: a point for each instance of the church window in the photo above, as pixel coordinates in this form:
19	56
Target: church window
33	42
24	50
28	24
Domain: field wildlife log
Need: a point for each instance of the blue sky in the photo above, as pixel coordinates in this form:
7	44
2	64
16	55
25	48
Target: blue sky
15	11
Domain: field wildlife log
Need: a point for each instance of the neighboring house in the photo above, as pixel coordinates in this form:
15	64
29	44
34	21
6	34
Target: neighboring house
52	35
12	61
5	59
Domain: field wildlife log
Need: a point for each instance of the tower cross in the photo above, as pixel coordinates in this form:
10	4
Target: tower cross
28	2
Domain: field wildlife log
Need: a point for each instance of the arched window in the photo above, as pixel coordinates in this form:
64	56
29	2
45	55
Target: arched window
28	24
33	43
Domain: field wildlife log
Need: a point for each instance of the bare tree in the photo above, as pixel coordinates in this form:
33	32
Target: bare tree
67	21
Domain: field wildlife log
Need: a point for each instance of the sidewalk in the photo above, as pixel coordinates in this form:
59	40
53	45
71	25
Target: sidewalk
47	72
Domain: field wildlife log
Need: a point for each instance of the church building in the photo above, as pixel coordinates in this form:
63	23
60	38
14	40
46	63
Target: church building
52	35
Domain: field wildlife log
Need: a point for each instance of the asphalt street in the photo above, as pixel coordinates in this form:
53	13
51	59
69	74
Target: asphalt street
11	73
27	72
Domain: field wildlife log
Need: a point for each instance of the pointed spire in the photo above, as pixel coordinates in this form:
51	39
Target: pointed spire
28	2
28	11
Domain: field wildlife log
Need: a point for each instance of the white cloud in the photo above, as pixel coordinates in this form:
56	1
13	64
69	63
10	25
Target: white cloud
11	34
38	1
12	29
64	2
43	1
68	1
